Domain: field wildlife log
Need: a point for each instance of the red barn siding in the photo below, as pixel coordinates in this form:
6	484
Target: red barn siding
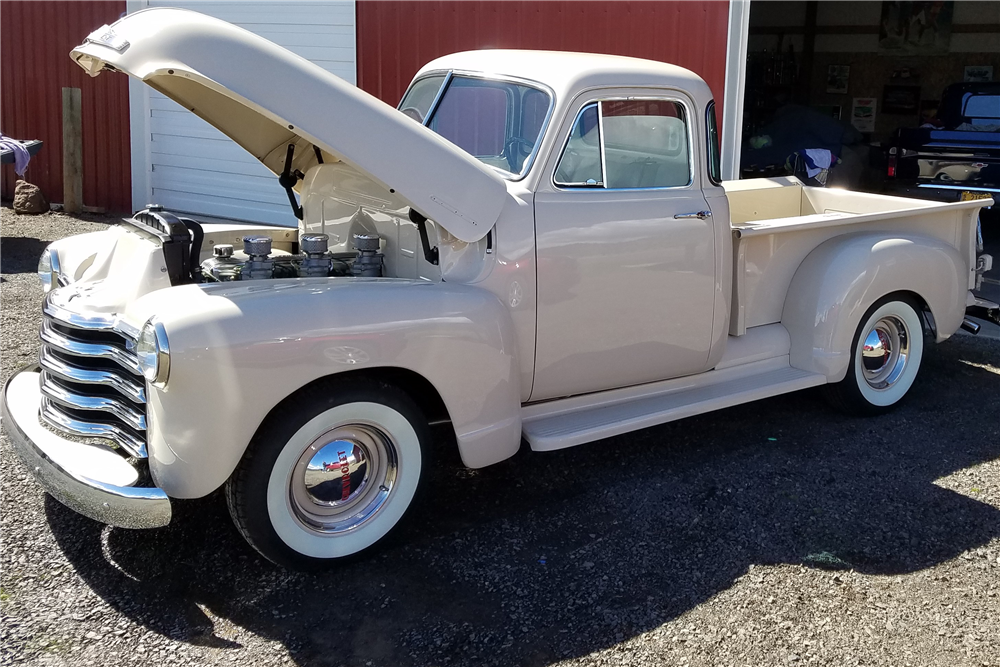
395	38
34	68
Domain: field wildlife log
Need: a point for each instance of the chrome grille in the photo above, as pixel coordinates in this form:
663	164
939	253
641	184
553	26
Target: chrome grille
91	383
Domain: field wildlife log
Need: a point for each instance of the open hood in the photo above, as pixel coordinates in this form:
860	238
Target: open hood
265	97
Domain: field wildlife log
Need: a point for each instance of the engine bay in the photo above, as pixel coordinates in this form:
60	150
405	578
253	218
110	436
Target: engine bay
182	240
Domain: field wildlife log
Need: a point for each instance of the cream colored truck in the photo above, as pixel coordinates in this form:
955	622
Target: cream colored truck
534	247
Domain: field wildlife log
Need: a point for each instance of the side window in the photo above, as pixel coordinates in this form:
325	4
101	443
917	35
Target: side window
580	164
421	95
627	144
645	144
714	165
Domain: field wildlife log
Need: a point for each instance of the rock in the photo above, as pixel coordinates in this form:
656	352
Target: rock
28	198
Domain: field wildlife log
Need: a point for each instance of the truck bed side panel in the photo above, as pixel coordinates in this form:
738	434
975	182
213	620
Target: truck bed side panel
767	252
842	278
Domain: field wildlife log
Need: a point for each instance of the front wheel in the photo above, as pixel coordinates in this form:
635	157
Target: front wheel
885	358
332	476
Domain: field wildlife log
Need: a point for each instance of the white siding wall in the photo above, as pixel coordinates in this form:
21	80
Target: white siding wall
183	163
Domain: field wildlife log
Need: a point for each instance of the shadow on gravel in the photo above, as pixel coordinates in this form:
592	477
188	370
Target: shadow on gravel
19	254
555	555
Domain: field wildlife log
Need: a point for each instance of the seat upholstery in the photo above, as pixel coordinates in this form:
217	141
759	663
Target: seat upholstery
641	152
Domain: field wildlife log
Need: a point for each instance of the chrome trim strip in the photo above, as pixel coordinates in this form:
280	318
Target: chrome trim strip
54	417
109	323
600	144
59	368
124	506
98	350
70	399
969	188
562	151
437	98
712	121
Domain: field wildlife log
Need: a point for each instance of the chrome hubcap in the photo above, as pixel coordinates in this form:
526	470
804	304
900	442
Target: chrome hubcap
884	352
343	478
336	473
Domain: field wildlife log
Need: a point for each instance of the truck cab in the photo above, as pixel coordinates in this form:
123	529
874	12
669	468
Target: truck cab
533	247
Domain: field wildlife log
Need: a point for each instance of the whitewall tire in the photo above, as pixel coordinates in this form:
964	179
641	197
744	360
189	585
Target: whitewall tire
885	358
331	476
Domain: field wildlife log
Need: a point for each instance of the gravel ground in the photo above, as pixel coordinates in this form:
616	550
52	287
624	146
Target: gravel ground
775	533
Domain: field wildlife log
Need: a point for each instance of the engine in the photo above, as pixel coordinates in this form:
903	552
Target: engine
181	239
314	260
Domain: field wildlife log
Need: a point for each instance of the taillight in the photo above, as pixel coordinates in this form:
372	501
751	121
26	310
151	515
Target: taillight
892	162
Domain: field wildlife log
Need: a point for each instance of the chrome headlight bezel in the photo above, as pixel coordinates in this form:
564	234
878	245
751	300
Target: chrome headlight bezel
49	269
152	351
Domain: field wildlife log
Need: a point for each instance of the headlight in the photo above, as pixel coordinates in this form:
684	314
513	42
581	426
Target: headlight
153	352
45	266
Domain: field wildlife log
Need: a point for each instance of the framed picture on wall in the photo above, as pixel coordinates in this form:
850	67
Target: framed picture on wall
979	73
900	99
915	28
837	78
863	114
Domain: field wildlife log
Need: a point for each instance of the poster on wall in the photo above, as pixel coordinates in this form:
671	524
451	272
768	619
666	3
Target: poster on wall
978	73
863	114
837	78
900	99
915	28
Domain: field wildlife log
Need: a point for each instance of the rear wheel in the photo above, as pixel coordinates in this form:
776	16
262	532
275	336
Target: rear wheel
885	358
332	476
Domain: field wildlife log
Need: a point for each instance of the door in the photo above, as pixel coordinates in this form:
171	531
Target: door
625	249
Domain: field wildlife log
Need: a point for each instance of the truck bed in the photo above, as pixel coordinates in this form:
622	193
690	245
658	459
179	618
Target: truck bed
777	222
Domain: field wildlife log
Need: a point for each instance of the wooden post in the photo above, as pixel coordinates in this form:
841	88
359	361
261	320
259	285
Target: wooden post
808	53
72	130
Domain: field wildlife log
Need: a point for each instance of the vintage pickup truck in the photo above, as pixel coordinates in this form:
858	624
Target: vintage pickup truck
534	246
959	160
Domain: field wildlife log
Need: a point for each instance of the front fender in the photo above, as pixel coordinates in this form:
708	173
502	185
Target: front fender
236	351
840	280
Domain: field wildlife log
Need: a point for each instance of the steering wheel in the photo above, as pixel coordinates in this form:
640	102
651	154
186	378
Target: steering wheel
515	148
414	113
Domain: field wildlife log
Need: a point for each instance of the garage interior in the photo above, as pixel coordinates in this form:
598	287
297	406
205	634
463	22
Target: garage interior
873	67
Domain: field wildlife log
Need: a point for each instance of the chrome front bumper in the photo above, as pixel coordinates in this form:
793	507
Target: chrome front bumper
90	479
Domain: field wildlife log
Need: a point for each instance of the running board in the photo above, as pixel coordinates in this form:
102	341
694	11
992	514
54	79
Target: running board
573	421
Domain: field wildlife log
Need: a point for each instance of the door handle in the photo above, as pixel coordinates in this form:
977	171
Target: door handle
701	215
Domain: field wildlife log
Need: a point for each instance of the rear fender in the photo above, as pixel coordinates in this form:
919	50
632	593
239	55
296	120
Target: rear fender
841	279
237	351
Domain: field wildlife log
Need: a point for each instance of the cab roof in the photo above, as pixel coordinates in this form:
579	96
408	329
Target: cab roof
566	72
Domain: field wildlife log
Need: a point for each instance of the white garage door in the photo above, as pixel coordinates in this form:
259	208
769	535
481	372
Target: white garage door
183	163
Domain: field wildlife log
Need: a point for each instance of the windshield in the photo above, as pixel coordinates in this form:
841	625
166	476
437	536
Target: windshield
498	122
